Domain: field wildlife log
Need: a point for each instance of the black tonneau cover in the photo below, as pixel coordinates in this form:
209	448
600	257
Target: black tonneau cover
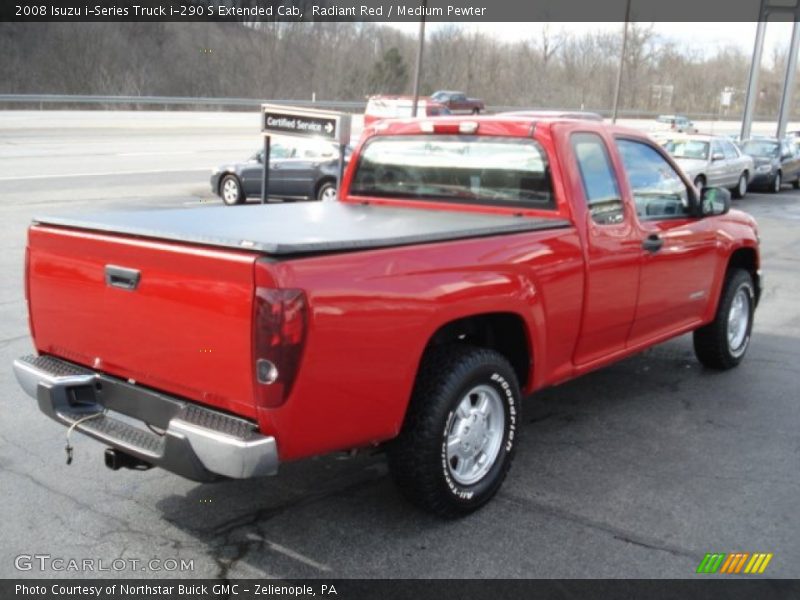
302	228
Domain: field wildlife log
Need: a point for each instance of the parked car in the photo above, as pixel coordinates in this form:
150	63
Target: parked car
776	162
466	265
712	161
458	103
794	138
305	169
554	114
400	107
677	123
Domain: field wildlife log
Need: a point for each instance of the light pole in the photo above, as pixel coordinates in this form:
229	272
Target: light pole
621	62
788	81
420	49
752	79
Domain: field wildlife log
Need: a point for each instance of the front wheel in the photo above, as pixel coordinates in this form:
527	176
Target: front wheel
476	111
231	191
460	431
723	343
776	183
699	183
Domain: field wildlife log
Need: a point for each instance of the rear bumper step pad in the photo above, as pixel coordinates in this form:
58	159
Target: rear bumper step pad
197	442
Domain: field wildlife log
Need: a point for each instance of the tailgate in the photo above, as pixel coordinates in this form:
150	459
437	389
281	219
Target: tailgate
184	329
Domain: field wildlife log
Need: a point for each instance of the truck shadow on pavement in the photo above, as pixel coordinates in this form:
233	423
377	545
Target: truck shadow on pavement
620	421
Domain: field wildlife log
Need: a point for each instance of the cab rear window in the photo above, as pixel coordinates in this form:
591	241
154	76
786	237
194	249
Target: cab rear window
487	170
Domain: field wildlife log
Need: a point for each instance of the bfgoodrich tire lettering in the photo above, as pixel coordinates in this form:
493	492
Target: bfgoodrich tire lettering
419	459
723	343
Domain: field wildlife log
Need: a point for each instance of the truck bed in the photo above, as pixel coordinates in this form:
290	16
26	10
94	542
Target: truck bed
303	228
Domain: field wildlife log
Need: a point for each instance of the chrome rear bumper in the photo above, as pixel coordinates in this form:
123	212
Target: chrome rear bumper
197	442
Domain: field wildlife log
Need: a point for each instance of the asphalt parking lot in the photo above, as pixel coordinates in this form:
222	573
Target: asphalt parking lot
636	470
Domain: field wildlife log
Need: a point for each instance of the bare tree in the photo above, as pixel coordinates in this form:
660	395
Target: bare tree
348	61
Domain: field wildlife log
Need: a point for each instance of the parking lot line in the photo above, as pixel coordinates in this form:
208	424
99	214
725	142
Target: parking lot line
101	174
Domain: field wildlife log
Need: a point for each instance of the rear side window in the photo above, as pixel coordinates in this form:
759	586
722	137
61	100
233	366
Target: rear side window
499	171
599	180
730	151
658	191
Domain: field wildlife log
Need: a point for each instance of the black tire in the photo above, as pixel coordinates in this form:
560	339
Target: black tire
741	187
711	342
476	111
326	189
775	184
418	457
796	184
230	190
700	183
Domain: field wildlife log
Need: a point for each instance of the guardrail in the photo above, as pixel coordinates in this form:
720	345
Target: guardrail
165	101
191	102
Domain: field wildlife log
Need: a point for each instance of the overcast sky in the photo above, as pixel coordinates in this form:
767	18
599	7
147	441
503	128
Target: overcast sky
705	37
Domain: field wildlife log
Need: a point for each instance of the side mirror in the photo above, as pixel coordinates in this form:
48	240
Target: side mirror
714	201
717	156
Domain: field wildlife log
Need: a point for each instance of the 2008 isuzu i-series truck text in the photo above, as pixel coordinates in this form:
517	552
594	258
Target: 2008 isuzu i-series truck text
467	264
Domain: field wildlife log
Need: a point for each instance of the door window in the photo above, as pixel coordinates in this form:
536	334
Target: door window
279	151
599	180
658	191
730	151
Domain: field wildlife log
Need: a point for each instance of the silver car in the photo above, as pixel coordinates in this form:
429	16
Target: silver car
677	123
712	161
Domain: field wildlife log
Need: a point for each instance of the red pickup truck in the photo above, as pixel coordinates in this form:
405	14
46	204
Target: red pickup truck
458	103
469	263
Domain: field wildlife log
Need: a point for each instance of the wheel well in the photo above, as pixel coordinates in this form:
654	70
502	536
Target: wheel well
745	258
503	332
322	182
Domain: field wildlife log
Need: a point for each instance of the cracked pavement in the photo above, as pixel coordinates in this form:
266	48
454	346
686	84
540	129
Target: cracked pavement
636	470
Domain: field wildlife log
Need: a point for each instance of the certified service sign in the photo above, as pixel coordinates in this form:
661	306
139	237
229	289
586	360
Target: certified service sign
321	124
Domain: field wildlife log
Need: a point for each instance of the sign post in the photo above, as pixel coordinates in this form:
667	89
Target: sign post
306	123
265	171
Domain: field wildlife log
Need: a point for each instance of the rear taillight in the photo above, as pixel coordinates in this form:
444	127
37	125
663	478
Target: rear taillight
28	289
279	331
27	274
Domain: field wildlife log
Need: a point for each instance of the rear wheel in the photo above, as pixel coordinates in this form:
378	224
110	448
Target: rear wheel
459	435
327	192
741	188
723	343
231	190
796	184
